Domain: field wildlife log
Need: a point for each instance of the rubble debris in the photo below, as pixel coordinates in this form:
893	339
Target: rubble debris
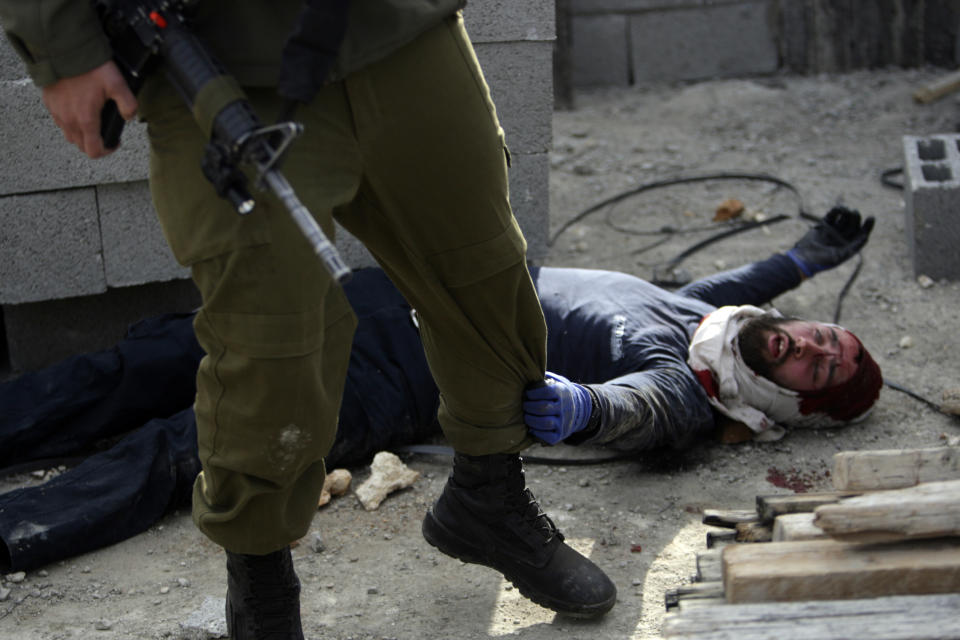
206	622
951	401
728	209
336	483
388	474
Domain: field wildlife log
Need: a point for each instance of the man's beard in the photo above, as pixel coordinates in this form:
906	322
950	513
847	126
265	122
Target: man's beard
753	340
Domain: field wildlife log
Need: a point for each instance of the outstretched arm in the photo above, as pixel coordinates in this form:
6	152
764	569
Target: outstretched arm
836	238
659	404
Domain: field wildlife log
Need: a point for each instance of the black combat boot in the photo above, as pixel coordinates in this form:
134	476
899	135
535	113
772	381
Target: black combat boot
487	516
263	597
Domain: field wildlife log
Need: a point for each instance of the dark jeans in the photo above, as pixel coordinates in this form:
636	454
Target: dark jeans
126	412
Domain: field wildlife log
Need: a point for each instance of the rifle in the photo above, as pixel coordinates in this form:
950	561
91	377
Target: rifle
153	35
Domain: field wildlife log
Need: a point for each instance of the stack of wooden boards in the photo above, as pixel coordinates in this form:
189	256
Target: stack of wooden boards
877	558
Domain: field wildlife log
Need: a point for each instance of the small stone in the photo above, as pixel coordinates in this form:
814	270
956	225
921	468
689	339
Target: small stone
906	342
43	573
317	545
103	625
372	591
924	281
388	474
4	594
207	621
951	401
336	483
17	577
164	590
183	582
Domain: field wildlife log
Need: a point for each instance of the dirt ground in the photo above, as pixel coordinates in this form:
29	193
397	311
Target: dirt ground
370	575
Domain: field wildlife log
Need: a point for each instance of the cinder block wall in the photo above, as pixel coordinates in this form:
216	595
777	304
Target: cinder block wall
625	42
82	255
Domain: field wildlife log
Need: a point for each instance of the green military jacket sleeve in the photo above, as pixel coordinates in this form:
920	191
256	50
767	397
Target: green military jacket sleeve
55	38
62	38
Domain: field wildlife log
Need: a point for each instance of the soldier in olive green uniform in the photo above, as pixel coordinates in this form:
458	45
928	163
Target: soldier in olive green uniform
402	146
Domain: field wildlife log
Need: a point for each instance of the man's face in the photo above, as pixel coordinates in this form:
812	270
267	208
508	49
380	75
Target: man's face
802	355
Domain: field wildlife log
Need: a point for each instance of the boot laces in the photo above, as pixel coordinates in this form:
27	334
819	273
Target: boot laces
522	499
534	516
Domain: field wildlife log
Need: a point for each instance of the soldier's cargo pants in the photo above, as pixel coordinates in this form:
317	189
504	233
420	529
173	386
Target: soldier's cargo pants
408	156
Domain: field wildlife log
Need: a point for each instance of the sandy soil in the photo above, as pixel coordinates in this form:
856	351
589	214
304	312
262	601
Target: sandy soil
370	575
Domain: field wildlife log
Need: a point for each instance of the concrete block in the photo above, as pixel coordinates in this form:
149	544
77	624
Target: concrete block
521	82
50	246
38	157
11	66
352	250
638	6
134	249
600	56
509	20
932	198
42	333
714	41
530	200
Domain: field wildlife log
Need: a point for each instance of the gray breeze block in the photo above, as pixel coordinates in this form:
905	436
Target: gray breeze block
932	199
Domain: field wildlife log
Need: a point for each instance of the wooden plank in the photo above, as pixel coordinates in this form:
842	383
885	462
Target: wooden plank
929	510
753	532
771	506
796	526
894	468
936	90
728	518
698	590
718	539
709	567
928	617
832	570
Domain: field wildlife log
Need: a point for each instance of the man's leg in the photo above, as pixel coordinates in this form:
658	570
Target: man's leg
276	332
434	210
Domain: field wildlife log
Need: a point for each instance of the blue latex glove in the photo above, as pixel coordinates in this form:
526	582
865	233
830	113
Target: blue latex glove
556	408
837	237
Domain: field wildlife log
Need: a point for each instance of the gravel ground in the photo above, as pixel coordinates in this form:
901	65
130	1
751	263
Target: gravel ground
370	575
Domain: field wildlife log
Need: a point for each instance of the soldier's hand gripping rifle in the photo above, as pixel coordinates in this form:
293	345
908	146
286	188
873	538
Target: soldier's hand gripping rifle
151	35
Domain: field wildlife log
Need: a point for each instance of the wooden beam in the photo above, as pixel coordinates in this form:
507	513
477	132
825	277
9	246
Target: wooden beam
929	617
832	570
936	90
894	468
929	510
695	591
796	526
709	567
753	532
728	518
771	506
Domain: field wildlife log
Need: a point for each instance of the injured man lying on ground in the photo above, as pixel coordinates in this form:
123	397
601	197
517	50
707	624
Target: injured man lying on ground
632	366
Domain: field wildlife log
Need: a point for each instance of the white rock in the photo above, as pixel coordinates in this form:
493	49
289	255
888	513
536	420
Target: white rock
336	483
17	577
388	474
206	622
906	342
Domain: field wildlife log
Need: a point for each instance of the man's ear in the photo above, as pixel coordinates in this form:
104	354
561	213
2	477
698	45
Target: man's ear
730	431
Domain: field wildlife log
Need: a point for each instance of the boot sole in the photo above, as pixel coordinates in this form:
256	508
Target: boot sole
449	543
